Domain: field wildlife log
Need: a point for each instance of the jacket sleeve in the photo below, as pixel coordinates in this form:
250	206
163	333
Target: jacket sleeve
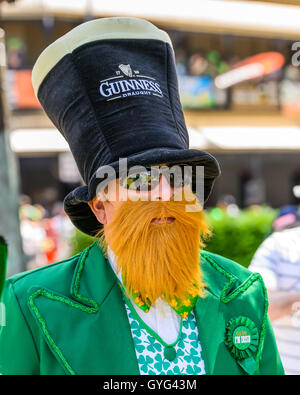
18	355
270	362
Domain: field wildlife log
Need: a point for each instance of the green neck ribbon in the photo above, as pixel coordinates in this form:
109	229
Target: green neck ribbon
181	307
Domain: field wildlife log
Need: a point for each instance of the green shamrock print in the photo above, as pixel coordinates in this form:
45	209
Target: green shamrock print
139	347
182	341
193	369
192	357
189	323
194	338
161	364
186	323
150	352
176	370
144	362
153	344
136	328
179	355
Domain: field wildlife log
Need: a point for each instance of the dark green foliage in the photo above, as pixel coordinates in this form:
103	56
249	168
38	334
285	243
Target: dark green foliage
238	237
80	241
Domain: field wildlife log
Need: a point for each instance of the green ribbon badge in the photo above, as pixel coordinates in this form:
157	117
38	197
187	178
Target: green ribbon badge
241	338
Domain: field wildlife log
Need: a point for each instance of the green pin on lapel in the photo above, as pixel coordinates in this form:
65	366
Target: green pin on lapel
242	340
3	260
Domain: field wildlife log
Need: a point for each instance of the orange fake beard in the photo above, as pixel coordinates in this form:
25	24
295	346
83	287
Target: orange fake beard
158	260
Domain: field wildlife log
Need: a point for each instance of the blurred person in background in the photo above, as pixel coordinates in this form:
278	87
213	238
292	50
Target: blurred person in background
62	230
33	233
197	64
15	53
227	203
278	261
46	239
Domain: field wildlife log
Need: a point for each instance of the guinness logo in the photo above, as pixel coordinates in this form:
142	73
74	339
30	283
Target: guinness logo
129	83
126	69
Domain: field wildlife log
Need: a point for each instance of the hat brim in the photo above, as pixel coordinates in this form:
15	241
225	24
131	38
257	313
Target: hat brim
82	217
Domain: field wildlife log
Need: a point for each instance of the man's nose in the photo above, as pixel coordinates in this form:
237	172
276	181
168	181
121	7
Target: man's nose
163	190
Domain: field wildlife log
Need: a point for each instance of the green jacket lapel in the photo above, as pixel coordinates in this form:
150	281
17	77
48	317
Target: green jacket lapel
87	331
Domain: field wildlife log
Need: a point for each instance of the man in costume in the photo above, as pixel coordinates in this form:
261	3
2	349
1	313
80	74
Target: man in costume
145	298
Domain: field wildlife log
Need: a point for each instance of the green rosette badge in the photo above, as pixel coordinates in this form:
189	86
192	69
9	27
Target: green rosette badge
242	340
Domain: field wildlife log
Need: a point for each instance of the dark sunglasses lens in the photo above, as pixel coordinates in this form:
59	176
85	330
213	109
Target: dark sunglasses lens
149	179
142	181
180	178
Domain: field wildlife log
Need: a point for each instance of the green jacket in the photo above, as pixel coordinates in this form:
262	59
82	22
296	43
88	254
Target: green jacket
70	318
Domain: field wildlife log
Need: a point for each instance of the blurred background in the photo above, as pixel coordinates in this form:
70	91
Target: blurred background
239	78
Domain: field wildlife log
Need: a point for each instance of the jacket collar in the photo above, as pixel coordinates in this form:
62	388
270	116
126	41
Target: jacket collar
93	277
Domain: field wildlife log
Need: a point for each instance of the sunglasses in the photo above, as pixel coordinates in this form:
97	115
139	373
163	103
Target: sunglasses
147	178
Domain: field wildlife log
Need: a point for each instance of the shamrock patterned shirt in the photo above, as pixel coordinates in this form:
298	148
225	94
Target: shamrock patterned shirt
150	351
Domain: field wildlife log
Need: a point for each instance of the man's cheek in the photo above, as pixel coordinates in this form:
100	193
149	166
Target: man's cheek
110	210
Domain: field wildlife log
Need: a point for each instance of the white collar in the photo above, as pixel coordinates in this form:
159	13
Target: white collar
113	264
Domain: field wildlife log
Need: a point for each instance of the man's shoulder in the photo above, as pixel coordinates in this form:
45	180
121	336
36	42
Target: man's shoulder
227	279
229	267
53	276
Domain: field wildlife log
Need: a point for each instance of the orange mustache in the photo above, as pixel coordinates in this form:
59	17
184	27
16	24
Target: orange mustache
158	257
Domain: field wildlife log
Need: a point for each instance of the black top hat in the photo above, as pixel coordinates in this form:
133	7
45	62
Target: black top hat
110	87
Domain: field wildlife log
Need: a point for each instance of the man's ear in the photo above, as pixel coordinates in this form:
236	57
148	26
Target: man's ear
98	209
